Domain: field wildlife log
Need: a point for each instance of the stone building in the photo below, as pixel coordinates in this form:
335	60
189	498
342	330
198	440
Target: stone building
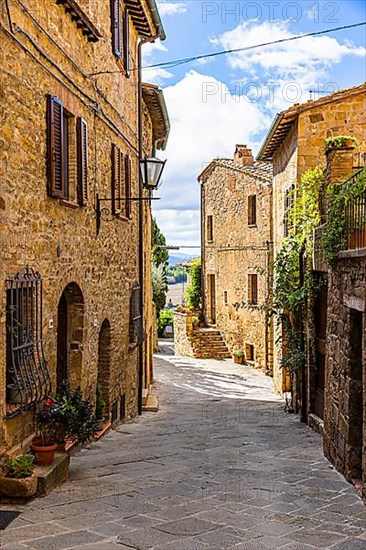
75	122
295	143
236	197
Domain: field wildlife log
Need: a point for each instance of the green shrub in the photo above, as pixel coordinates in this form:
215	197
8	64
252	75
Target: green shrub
20	466
194	290
166	317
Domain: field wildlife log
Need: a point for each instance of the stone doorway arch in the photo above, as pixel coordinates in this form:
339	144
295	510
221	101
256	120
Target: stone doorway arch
70	335
104	363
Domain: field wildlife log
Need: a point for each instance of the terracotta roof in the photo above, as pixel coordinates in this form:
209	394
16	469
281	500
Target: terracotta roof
137	12
260	169
154	100
284	121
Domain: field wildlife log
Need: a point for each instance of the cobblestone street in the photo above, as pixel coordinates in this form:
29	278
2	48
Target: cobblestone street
219	466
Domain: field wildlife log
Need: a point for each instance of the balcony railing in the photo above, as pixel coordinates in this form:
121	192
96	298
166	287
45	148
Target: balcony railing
355	217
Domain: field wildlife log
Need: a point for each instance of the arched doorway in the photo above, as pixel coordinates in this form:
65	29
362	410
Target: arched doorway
70	334
104	363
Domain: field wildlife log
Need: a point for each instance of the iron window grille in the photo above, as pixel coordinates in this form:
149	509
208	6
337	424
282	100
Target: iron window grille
27	375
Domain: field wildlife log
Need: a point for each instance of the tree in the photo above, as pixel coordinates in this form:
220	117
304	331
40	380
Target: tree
194	291
160	262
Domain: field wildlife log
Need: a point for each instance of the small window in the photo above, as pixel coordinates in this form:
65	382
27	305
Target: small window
116	179
127	212
209	228
249	352
126	42
225	298
116	27
253	289
252	210
82	161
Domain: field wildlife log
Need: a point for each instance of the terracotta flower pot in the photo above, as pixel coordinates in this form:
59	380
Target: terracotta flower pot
44	454
25	487
239	360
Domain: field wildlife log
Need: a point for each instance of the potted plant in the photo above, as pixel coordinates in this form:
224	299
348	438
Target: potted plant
44	445
17	478
239	356
100	406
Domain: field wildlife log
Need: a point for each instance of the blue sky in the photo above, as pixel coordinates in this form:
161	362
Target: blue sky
232	99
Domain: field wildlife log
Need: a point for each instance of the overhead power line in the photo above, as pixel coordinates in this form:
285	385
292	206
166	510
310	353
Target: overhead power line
171	64
185	60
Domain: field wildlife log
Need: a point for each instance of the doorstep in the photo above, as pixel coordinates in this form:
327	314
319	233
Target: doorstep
50	477
152	404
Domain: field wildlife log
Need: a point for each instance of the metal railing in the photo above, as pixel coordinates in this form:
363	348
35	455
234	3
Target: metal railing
355	217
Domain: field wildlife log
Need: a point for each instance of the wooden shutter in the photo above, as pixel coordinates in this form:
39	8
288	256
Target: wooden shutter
254	289
209	228
116	27
126	43
55	160
128	174
249	289
252	210
82	161
116	178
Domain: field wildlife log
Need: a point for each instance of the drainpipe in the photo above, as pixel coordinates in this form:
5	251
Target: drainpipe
141	218
203	252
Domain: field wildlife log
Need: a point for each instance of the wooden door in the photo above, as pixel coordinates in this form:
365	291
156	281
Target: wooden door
212	290
62	341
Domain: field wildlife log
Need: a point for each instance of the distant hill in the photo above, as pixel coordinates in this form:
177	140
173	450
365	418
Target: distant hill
179	258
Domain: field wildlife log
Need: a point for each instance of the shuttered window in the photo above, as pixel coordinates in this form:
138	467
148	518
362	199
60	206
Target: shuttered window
116	178
56	156
116	27
82	161
253	289
288	202
128	179
252	210
126	43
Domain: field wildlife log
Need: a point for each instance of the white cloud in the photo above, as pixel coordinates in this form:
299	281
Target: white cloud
171	8
157	75
206	122
305	62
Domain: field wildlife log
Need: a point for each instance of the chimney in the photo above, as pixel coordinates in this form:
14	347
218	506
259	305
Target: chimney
339	163
243	156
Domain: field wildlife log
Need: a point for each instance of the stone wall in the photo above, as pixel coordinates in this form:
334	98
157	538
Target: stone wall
345	388
237	250
58	238
182	330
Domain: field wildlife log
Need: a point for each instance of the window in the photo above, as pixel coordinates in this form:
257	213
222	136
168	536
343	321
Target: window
82	162
127	199
225	298
27	376
249	352
126	43
209	228
67	158
253	289
116	178
136	325
288	202
252	210
116	27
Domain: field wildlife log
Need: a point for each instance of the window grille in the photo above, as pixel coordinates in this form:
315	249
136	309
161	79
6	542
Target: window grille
136	315
27	376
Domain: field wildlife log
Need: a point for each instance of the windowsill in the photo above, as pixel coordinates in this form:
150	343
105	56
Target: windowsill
252	225
68	204
209	242
353	253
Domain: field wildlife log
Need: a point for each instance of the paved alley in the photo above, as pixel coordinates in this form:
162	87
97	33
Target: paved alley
219	466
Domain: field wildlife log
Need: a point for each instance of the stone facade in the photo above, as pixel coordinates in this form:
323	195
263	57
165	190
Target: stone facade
88	278
237	253
295	143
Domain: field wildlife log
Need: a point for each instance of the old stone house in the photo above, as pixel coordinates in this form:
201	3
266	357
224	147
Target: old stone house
295	143
236	228
75	122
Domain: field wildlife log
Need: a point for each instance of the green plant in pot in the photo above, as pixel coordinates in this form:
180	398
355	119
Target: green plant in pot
17	478
100	405
78	414
239	356
44	443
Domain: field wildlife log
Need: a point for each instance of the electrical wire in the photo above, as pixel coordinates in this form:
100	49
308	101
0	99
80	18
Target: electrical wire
185	60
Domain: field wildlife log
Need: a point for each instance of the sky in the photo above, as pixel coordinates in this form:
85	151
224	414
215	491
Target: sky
216	103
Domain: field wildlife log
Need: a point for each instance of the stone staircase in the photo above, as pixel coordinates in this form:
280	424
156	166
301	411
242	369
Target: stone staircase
207	343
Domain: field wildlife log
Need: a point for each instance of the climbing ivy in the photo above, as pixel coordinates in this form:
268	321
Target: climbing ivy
337	142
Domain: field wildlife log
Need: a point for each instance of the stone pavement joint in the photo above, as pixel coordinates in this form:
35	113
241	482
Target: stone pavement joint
219	466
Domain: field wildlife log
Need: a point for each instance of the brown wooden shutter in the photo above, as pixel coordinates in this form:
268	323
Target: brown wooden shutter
249	210
116	179
249	289
116	27
82	161
254	289
55	147
126	43
128	175
252	210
